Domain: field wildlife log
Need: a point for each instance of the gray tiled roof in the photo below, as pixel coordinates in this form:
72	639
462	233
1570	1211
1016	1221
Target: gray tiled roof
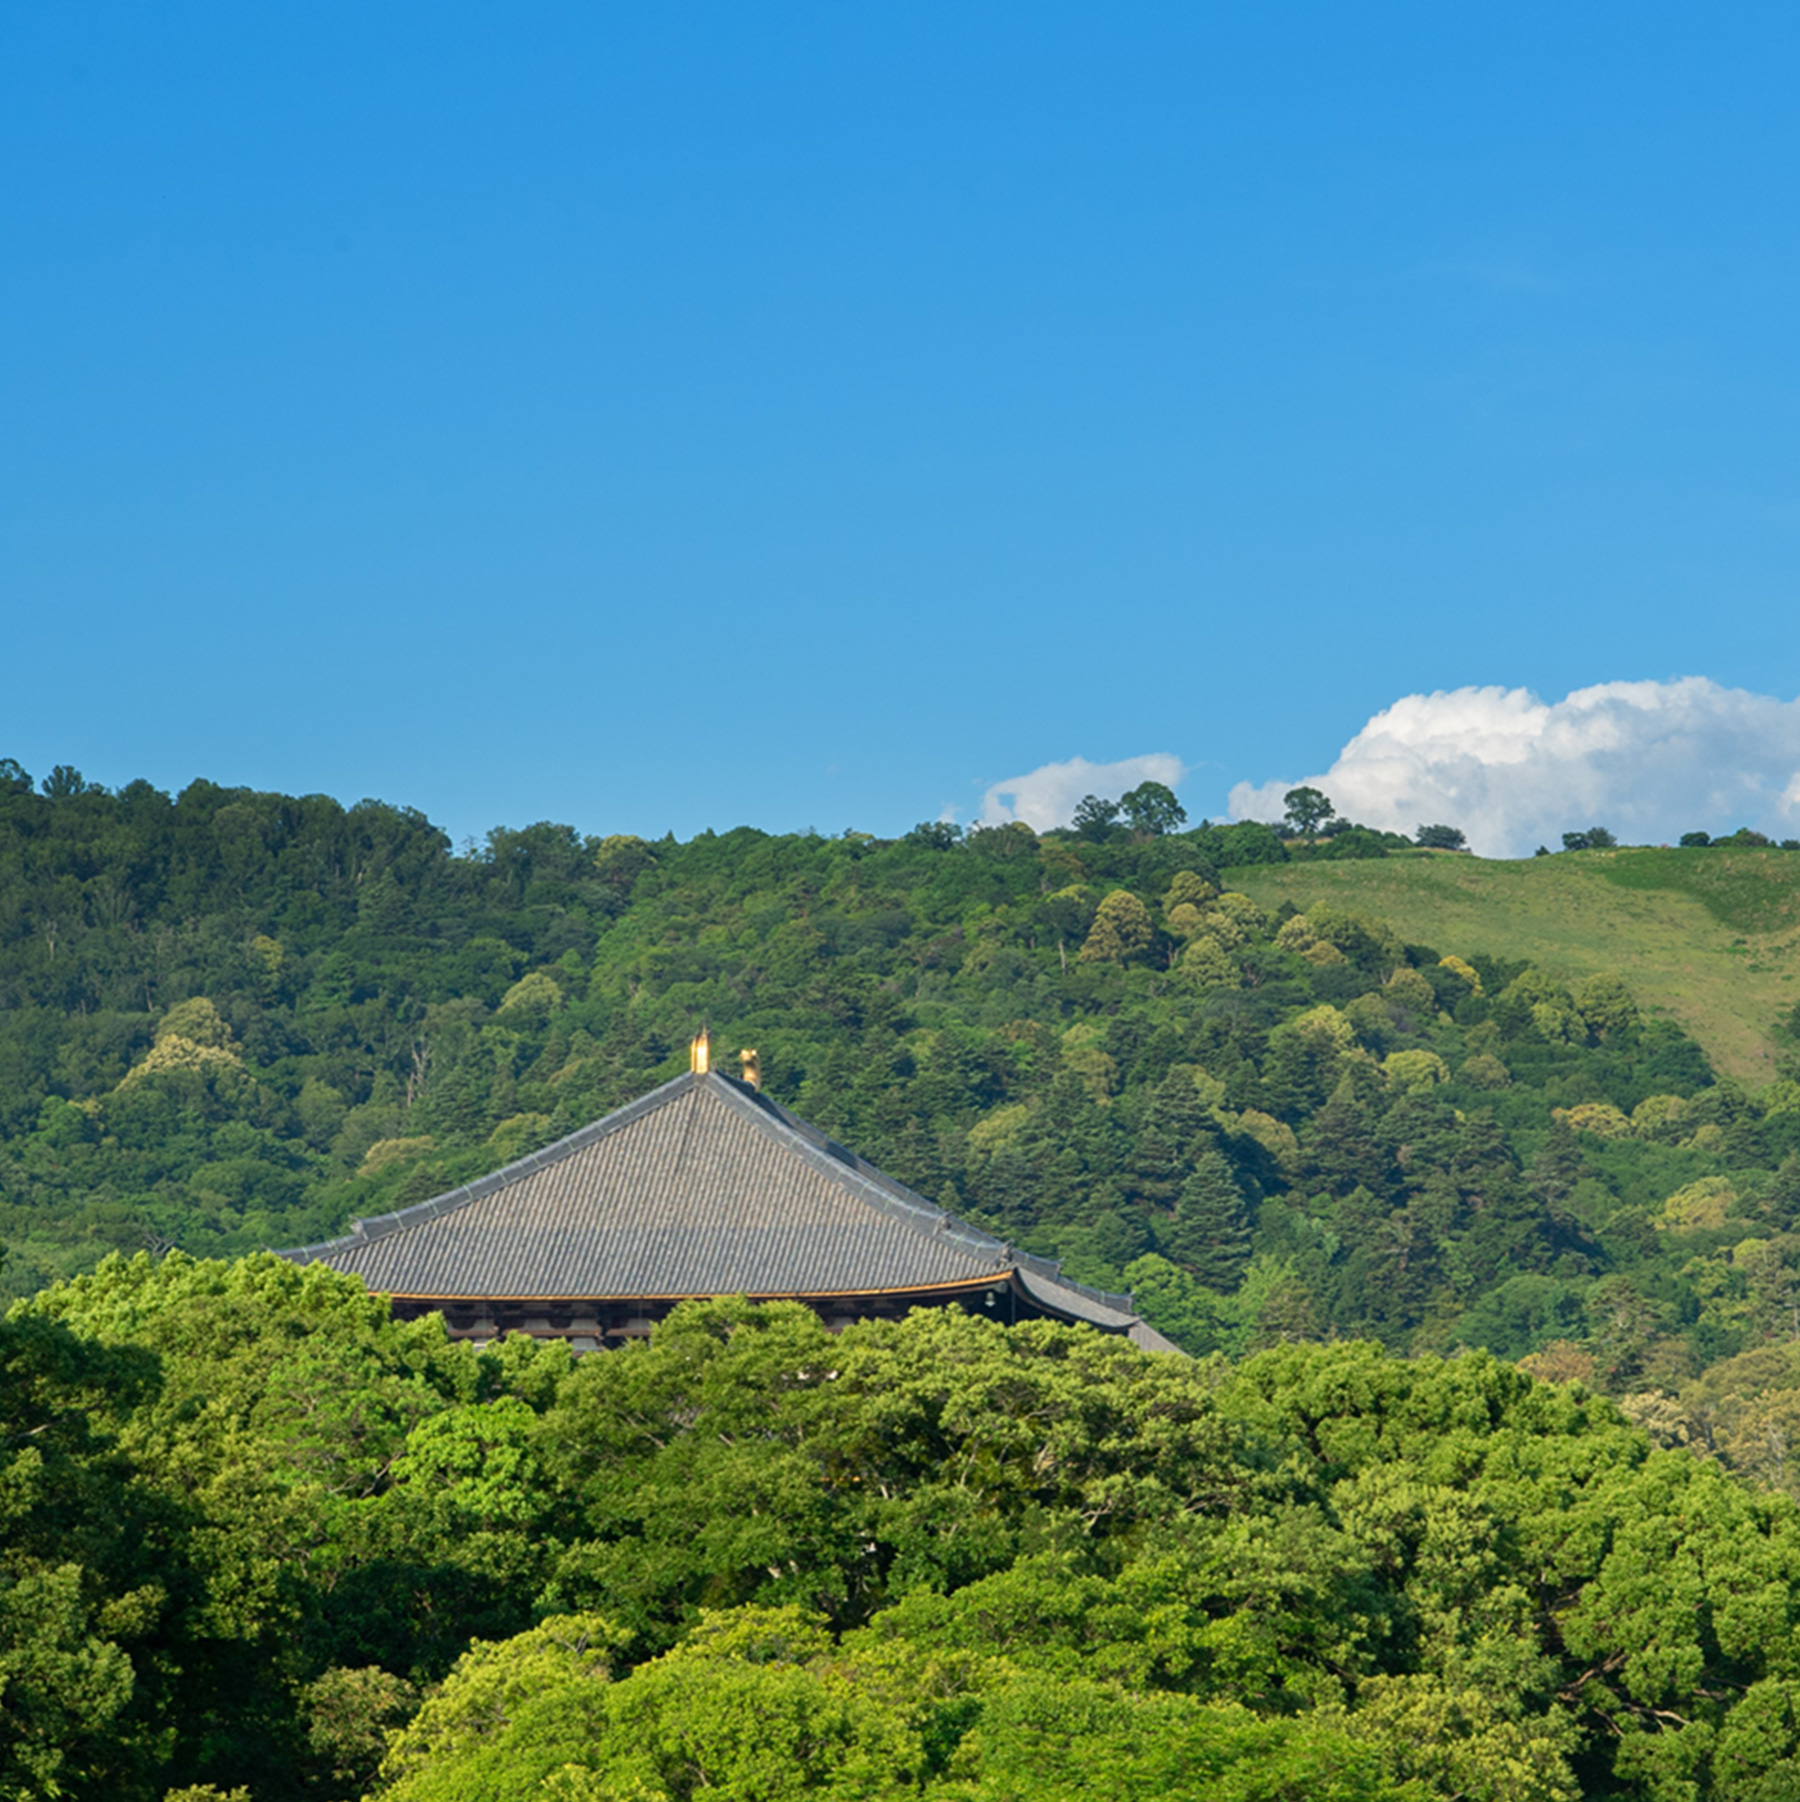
702	1187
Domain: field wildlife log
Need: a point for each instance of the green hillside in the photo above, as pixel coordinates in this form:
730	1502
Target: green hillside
1709	937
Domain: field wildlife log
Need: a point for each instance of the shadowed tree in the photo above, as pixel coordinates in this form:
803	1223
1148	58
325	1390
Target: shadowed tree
1094	818
1210	1233
1307	810
1152	810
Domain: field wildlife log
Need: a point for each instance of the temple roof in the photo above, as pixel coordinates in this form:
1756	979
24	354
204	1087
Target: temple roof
702	1187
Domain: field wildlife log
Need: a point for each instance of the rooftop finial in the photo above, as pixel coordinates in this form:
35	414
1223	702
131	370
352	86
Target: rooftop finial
700	1052
751	1065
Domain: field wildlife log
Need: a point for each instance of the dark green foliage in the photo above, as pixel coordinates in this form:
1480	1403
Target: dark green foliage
1307	810
1248	842
251	1526
1152	810
1094	818
1210	1233
1351	842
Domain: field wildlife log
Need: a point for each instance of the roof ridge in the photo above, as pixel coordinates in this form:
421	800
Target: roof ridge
1051	1268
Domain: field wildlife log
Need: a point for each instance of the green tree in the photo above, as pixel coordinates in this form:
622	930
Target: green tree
350	1715
1606	1005
1210	1233
80	1604
1784	1193
1187	888
1094	818
466	1726
1151	810
276	1402
65	782
1595	838
1307	810
1122	930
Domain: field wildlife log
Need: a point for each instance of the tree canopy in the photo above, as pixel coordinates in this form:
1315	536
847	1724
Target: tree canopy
260	1536
1307	810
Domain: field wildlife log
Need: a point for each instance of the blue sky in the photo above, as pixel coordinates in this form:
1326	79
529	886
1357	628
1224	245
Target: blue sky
666	417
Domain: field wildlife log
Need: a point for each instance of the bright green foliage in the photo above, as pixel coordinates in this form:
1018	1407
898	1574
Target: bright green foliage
79	1598
245	1519
758	1705
263	1514
1188	888
1122	930
932	1558
746	1455
1070	1739
534	993
473	1709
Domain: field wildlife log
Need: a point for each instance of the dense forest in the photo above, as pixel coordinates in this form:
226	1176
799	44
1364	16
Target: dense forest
262	1541
250	1525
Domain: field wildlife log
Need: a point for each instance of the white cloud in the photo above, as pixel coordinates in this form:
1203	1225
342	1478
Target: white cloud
1648	760
1047	796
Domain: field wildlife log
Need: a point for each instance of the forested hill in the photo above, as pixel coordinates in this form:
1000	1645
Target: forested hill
230	1019
235	1019
249	1524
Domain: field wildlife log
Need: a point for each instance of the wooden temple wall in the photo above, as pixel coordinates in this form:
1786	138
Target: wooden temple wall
595	1326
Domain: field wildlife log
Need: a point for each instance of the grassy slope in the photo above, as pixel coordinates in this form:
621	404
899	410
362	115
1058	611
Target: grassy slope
1713	937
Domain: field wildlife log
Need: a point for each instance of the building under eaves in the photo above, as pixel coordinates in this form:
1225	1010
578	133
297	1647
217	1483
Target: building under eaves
703	1187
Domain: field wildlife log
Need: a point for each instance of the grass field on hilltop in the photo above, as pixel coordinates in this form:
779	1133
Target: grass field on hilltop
1711	937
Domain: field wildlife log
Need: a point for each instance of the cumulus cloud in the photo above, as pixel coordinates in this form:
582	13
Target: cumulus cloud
1047	796
1648	760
